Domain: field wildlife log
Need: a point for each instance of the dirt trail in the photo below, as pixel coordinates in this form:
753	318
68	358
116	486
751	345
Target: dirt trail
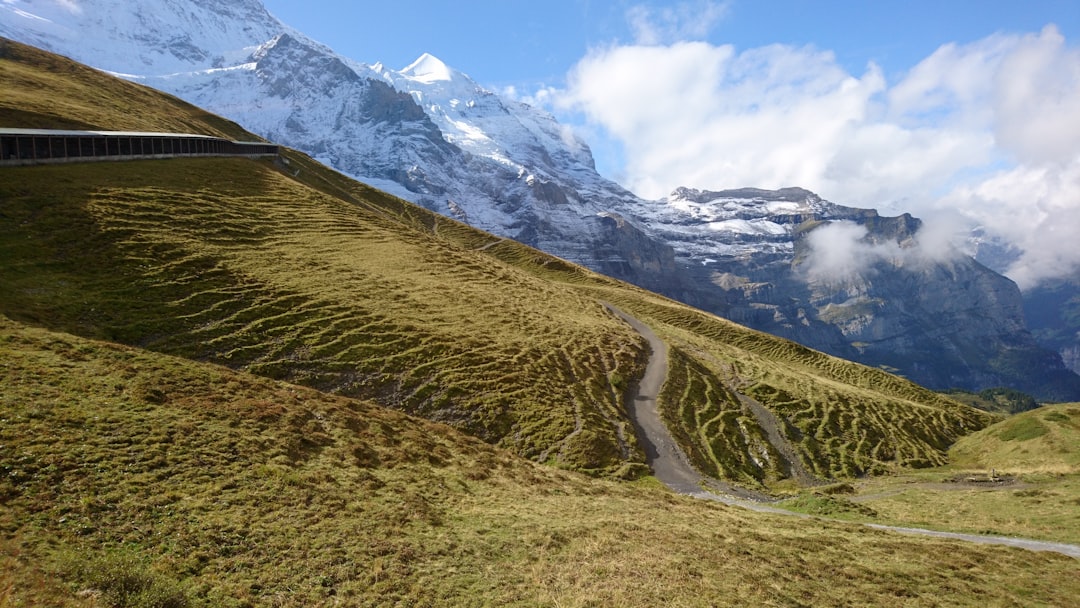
668	462
792	464
672	468
489	245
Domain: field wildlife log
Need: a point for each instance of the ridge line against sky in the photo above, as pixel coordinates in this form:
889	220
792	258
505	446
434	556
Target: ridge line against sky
966	113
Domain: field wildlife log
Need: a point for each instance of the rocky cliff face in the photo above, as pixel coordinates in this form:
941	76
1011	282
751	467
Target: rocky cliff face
860	289
857	285
1053	314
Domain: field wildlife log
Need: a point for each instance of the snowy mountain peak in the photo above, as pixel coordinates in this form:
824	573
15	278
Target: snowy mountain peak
145	37
428	69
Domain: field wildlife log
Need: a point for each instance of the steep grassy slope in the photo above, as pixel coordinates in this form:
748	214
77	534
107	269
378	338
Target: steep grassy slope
129	476
1045	440
45	91
234	262
843	419
292	271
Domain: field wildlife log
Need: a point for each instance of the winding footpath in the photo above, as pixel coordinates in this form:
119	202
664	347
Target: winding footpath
672	468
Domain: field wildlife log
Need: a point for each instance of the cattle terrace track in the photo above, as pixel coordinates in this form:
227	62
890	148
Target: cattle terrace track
672	468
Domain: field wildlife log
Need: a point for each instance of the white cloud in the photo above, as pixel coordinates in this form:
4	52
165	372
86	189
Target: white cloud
684	21
697	114
840	251
989	130
1035	208
1037	100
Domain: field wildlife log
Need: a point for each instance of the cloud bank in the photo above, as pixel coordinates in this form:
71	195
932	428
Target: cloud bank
987	131
841	251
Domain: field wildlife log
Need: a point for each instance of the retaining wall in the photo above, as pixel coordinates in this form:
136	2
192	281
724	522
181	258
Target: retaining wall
37	146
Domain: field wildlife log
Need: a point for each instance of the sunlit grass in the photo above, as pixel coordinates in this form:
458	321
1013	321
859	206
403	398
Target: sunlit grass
43	91
227	489
1019	477
843	419
230	261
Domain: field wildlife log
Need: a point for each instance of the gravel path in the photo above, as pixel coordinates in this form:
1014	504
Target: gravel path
672	468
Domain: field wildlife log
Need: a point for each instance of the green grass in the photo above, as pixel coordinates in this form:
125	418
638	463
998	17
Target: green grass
843	419
825	505
233	262
1041	441
1036	456
708	421
172	483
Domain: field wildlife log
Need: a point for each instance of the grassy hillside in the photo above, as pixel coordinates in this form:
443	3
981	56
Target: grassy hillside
1034	458
1045	440
129	478
234	262
45	91
844	419
291	271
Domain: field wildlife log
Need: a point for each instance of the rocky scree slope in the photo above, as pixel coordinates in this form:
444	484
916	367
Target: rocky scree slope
430	134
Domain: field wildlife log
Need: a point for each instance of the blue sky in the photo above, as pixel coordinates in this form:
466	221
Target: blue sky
966	113
514	42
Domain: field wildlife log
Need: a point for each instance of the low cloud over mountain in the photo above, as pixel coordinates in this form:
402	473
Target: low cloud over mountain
988	130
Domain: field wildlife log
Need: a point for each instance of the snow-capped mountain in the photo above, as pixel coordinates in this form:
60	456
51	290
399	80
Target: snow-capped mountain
148	36
430	134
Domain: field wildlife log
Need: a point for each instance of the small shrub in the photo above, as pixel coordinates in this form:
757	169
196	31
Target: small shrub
837	488
123	580
1057	417
827	505
618	381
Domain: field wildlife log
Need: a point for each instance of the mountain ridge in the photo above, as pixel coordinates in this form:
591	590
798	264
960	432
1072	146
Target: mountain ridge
458	149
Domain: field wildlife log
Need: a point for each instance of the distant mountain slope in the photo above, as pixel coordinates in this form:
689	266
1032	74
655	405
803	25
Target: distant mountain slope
1053	313
432	135
292	271
857	285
